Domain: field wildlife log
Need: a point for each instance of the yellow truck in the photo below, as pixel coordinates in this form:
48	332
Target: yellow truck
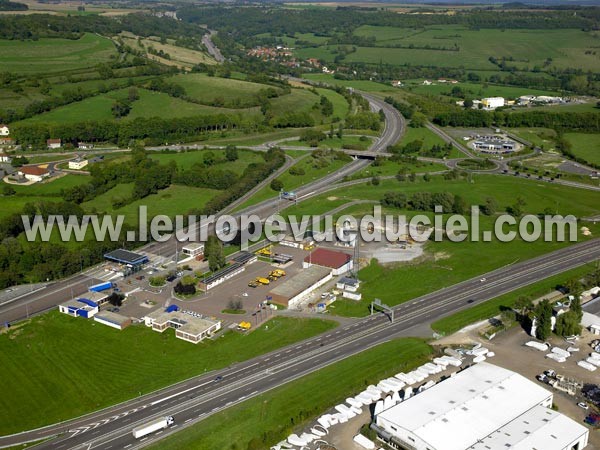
279	273
262	280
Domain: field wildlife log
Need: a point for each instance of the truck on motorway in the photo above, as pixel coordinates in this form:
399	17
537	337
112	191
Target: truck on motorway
158	424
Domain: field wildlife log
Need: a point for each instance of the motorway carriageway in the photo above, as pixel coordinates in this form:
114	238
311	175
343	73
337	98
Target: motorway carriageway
196	399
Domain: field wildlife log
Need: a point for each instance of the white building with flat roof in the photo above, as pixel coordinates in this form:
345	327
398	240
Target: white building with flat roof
493	102
484	407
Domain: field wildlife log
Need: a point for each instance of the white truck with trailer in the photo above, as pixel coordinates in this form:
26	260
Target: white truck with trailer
158	424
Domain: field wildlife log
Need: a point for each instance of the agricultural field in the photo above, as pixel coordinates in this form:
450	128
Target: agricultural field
179	56
299	100
55	55
46	358
258	421
585	146
474	90
528	48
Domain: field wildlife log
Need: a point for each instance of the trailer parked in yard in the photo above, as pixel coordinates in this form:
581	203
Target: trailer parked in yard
101	287
150	427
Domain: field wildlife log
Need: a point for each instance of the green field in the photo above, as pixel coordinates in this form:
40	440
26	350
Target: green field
206	89
93	108
347	142
340	105
265	420
585	146
158	104
540	137
54	55
391	168
444	262
494	307
297	101
528	48
171	201
56	367
185	160
363	85
475	90
428	137
291	182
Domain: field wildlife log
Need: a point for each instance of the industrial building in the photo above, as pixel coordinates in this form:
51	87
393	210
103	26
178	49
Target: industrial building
484	407
221	276
127	258
488	145
493	102
339	262
190	327
79	307
292	291
112	320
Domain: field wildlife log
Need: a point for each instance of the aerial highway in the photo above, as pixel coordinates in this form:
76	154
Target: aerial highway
58	291
195	399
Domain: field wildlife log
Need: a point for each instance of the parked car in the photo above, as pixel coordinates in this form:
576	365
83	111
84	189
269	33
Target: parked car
171	278
583	405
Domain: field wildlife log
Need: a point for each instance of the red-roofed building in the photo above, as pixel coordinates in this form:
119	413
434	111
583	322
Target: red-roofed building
34	173
339	262
53	143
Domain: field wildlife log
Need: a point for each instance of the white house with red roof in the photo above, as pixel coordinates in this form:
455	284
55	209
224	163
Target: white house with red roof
34	173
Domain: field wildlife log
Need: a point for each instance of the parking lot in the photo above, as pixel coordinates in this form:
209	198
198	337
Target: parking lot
143	298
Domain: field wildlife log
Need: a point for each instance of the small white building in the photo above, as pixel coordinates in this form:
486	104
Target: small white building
190	327
4	158
493	102
193	249
78	163
4	130
80	307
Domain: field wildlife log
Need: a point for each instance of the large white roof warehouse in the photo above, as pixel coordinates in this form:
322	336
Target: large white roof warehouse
472	409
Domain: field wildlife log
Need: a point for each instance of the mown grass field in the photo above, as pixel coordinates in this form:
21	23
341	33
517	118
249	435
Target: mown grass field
363	85
56	367
54	55
494	307
428	137
266	419
353	142
298	100
93	108
585	146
